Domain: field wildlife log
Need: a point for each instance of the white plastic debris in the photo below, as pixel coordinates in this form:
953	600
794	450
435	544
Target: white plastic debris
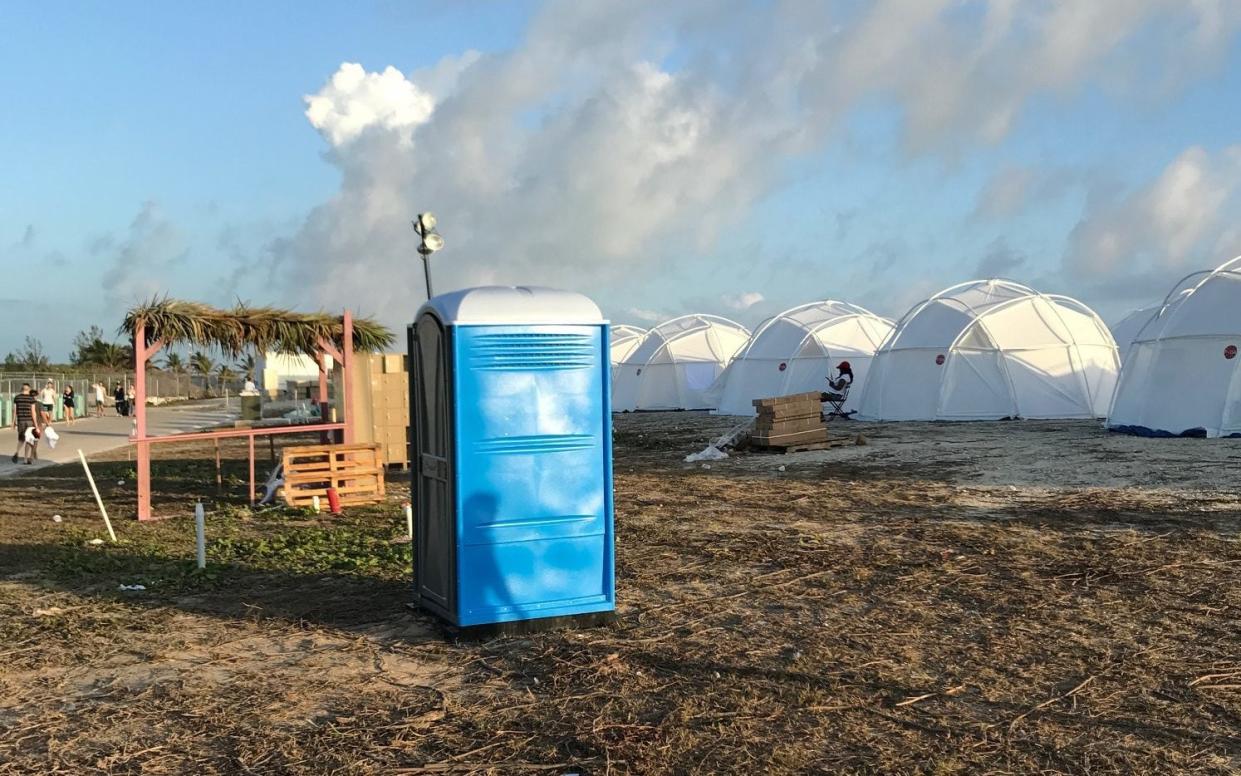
706	466
120	483
56	518
95	542
132	587
780	468
710	453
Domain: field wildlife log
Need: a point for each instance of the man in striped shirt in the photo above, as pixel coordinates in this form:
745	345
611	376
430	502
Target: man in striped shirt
26	413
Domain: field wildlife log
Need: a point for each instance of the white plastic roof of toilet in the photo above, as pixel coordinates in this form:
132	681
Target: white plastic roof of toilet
490	305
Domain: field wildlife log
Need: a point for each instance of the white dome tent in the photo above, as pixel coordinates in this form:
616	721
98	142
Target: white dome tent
675	363
623	338
1181	376
1125	331
992	349
796	350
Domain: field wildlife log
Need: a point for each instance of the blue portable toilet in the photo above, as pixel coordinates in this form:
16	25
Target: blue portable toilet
512	474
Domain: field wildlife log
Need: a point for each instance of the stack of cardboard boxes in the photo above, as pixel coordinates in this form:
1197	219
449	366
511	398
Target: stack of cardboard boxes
380	403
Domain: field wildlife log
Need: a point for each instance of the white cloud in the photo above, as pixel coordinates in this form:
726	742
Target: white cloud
649	316
141	262
354	100
577	159
1184	219
742	301
1000	261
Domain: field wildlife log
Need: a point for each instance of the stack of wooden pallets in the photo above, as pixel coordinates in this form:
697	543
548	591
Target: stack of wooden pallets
355	471
790	423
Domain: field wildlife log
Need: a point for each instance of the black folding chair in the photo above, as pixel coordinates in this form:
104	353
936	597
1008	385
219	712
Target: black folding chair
837	399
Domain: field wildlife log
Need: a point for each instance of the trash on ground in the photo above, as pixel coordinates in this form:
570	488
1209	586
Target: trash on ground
132	587
95	542
57	518
710	453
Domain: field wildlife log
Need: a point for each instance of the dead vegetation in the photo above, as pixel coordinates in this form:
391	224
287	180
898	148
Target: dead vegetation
771	622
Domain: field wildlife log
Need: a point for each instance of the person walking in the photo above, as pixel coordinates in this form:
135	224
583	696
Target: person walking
99	392
118	395
47	397
26	412
69	400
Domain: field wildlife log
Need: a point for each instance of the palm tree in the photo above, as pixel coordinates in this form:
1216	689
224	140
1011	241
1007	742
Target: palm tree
203	365
175	364
226	373
114	357
246	365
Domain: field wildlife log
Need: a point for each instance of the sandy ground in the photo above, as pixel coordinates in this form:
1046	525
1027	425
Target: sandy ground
946	598
1024	454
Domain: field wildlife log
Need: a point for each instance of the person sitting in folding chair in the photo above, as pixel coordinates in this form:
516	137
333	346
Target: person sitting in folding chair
839	392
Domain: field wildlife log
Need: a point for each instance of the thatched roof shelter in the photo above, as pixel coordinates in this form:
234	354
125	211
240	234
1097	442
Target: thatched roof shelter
263	329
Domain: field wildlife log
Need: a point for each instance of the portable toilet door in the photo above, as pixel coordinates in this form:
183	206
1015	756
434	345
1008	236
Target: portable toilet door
512	441
435	569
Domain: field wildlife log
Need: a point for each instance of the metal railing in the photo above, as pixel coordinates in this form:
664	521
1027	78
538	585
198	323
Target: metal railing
160	385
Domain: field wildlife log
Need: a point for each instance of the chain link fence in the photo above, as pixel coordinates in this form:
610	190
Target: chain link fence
162	388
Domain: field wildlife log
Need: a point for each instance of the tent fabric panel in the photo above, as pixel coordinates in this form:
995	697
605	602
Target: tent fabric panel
1174	385
1100	367
625	383
852	336
1213	309
746	379
1125	331
619	350
1029	323
936	325
779	339
975	388
902	385
660	388
1047	384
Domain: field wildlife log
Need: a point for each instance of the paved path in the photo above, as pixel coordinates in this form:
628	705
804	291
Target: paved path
97	435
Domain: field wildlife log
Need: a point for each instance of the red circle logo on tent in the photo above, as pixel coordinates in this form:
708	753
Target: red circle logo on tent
939	360
1230	352
783	366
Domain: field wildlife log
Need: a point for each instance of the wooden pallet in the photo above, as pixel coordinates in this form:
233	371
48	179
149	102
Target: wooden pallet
803	447
355	471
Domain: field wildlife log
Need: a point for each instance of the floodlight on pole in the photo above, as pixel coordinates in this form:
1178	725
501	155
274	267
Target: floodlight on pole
424	225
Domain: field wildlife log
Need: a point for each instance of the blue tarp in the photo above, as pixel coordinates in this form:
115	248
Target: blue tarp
1158	433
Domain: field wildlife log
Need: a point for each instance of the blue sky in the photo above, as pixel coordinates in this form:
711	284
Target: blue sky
632	151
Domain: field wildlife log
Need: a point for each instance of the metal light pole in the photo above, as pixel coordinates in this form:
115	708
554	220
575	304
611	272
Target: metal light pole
424	225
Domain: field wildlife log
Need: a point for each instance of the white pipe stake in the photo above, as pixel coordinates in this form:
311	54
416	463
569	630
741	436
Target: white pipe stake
98	500
200	534
409	520
314	502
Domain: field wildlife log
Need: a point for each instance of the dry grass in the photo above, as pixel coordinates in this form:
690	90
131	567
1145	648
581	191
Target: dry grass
249	328
769	624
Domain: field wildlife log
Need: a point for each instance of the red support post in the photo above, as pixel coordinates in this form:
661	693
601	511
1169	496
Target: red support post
252	470
346	365
142	356
140	421
322	362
